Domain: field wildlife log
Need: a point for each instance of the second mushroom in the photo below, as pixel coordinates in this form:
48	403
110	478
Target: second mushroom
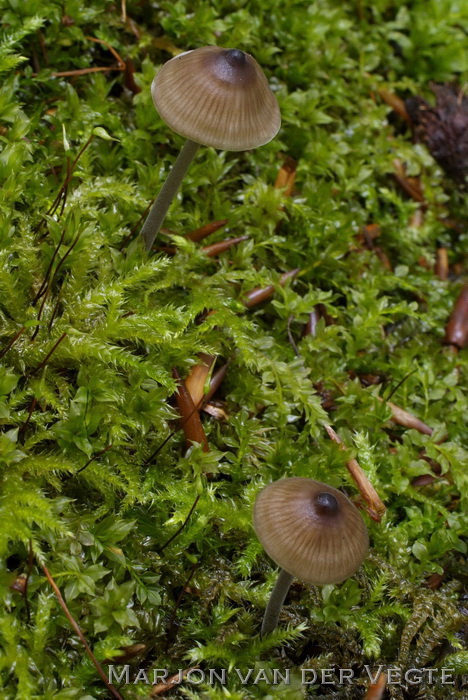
312	531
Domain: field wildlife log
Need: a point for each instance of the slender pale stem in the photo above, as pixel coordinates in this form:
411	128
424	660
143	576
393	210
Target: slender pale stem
168	192
277	598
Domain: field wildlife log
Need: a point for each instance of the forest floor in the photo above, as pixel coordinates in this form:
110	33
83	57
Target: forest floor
337	310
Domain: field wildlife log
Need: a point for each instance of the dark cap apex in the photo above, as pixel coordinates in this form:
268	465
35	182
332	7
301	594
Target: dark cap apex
235	58
326	504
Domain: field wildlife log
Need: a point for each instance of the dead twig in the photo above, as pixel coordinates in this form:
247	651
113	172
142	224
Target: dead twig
120	65
217	248
200	233
395	102
80	634
412	186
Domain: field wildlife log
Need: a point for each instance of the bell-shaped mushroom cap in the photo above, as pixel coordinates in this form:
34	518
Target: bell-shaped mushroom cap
310	530
217	97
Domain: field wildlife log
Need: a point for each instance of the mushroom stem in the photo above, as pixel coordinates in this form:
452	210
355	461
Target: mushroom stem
168	191
277	598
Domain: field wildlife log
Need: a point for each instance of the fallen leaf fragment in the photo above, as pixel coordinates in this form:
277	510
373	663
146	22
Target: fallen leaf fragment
195	382
287	176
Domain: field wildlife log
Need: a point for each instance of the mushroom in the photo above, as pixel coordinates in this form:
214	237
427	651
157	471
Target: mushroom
312	531
215	97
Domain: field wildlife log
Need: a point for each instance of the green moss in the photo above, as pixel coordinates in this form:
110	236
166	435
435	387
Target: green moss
119	323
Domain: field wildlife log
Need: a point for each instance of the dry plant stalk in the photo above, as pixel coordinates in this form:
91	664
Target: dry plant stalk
412	186
375	507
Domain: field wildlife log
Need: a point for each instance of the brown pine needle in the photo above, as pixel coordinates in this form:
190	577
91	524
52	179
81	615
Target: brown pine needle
259	294
191	422
407	419
377	689
375	507
171	682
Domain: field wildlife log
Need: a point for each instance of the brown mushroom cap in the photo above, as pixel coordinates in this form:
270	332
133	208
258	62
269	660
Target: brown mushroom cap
311	530
217	97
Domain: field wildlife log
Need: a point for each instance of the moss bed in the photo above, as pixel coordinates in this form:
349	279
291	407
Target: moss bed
147	535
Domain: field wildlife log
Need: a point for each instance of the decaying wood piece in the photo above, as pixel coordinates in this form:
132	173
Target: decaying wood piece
456	332
375	507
